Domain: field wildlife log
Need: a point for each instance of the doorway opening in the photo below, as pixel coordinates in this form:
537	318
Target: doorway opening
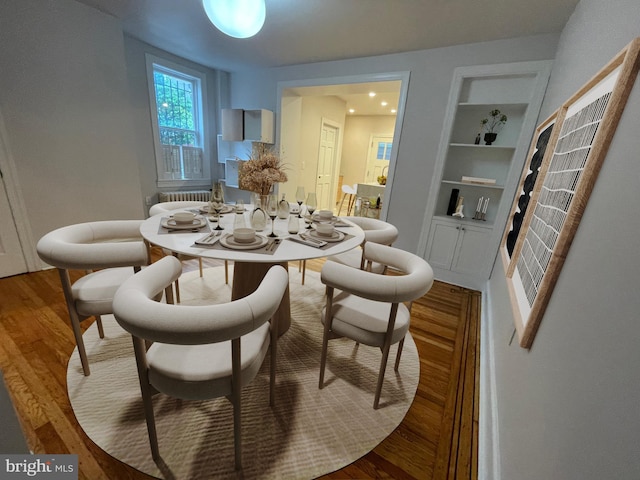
333	130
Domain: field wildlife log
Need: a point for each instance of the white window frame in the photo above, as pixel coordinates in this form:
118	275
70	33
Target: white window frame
201	117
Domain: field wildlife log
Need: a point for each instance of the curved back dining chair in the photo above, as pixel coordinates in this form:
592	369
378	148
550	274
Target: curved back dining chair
168	207
368	307
375	231
198	352
115	249
350	192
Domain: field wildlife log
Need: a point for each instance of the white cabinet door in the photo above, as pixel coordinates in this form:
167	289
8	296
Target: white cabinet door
442	244
471	250
458	247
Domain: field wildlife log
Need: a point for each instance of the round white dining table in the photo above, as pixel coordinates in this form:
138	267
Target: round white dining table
250	266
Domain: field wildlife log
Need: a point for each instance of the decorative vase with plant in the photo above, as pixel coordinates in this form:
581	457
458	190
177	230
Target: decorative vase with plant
263	169
493	124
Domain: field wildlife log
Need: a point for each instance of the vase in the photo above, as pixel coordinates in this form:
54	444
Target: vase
489	138
259	215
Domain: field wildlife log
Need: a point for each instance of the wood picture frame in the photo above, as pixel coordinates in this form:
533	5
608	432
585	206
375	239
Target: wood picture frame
581	132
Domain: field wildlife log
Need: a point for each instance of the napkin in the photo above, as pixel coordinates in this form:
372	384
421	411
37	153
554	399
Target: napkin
310	243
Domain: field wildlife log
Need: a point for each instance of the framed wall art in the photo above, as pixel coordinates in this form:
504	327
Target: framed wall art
547	212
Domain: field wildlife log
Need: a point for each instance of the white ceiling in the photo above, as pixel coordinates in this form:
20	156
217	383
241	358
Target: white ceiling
307	31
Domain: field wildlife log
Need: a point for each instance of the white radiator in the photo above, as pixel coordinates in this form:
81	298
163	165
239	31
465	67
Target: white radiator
194	195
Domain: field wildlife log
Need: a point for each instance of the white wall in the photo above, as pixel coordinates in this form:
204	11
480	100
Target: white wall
568	408
431	75
357	138
64	98
140	109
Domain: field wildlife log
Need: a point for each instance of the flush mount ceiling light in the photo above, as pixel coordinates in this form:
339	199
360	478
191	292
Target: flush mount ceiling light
236	18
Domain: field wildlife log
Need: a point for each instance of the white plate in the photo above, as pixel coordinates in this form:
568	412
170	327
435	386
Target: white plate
335	237
225	209
171	224
229	242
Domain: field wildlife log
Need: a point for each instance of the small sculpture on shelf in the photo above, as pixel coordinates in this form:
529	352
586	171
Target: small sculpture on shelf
493	124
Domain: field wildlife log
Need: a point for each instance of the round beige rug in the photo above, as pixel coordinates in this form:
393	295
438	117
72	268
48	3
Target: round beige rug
309	432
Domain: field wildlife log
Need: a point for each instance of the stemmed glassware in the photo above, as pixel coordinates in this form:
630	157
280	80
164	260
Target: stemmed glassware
216	202
312	203
272	211
300	199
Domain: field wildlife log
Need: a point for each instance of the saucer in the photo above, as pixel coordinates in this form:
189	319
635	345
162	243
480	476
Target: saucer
336	236
229	242
171	224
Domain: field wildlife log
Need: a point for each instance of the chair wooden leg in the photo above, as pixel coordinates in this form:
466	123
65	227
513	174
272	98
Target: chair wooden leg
235	400
177	291
200	265
399	354
226	272
352	201
100	327
139	349
385	353
74	319
304	270
325	337
342	203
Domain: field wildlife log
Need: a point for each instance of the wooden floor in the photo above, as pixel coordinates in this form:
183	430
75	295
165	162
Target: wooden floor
436	440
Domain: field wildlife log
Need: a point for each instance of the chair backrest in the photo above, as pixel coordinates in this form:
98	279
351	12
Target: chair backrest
416	280
92	245
137	312
349	189
164	207
377	231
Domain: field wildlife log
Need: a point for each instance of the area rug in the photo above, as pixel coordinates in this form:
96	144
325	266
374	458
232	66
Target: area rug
309	432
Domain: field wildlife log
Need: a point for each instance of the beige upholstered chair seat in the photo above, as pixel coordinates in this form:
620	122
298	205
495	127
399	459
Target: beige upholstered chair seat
366	321
199	372
115	249
376	231
368	307
94	292
198	352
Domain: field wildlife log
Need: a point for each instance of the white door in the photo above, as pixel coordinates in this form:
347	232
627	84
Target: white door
327	157
12	259
379	156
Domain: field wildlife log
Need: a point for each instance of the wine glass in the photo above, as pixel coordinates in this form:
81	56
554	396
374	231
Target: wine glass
272	211
217	202
312	203
300	199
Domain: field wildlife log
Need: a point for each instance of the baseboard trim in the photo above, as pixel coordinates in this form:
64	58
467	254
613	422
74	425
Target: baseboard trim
489	436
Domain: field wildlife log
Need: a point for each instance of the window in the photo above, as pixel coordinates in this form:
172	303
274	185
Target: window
178	103
384	151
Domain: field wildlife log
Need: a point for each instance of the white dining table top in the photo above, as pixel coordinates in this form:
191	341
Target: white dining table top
288	250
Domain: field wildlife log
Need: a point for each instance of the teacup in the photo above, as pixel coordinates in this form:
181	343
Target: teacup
244	235
325	215
184	217
325	229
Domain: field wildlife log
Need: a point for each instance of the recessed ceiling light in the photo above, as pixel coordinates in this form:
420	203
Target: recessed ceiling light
372	94
393	110
384	104
351	110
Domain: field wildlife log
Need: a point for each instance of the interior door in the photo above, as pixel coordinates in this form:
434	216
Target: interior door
327	157
379	157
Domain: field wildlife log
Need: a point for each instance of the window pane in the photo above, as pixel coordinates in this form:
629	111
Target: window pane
175	103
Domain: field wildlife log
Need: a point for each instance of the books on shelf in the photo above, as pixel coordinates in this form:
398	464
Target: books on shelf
479	180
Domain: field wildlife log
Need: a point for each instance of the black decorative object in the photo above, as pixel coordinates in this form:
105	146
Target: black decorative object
489	138
453	201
